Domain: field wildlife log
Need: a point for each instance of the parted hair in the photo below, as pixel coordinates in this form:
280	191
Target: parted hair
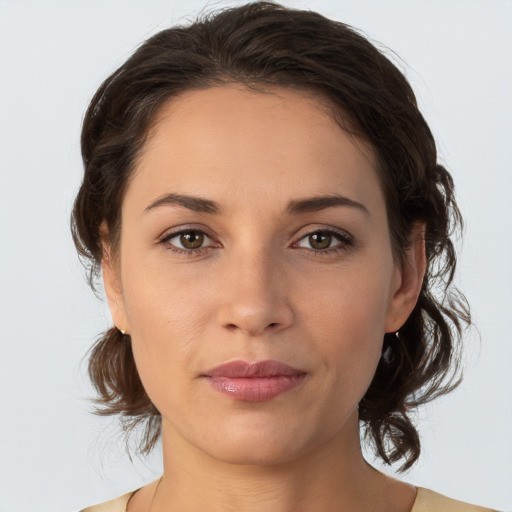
263	45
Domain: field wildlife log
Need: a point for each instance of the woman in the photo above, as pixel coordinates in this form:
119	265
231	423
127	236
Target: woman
264	201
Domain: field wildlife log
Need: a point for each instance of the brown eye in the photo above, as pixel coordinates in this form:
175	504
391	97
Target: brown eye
320	240
192	240
325	241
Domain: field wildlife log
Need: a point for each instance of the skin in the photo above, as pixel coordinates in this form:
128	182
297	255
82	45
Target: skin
259	287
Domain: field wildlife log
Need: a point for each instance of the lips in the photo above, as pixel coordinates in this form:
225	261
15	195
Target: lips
254	382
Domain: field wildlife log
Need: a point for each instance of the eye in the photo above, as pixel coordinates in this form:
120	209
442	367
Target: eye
188	241
325	240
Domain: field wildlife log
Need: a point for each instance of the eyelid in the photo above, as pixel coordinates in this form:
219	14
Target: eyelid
346	239
171	233
323	229
184	228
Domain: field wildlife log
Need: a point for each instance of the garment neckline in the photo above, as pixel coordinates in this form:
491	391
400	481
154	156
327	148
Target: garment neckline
128	496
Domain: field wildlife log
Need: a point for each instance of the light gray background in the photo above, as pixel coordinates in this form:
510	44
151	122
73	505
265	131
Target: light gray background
56	456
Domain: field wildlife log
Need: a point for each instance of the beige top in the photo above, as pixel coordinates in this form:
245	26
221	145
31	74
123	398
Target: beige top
426	501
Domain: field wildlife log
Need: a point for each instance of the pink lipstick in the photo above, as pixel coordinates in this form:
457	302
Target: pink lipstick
254	382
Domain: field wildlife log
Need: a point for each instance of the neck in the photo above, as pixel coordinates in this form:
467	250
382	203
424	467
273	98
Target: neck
333	476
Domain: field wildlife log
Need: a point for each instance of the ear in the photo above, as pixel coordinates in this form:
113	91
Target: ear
112	283
408	280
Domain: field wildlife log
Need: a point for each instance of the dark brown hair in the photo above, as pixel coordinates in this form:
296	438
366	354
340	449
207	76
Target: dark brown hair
262	45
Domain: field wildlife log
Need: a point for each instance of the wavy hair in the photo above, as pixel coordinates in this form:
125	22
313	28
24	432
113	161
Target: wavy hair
262	45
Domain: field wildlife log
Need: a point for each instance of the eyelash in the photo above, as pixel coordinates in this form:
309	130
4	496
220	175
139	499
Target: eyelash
165	240
343	238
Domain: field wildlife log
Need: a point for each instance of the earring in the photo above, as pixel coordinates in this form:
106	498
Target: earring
122	331
397	334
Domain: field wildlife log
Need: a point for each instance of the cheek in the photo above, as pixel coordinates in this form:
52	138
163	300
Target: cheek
165	331
353	347
348	321
166	322
162	302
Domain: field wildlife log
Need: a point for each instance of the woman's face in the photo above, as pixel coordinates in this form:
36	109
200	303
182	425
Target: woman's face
254	229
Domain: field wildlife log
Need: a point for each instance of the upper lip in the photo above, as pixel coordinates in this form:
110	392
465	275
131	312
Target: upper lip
244	369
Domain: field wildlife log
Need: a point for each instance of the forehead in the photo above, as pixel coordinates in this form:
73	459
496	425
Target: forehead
231	142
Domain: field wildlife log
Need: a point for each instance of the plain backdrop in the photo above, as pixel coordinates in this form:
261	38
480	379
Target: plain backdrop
56	456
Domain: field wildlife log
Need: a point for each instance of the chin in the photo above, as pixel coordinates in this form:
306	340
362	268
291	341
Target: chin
259	445
255	455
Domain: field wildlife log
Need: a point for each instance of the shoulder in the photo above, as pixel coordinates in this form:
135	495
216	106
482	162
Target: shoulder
430	501
115	505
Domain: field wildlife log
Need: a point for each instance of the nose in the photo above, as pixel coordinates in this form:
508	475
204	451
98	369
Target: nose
255	298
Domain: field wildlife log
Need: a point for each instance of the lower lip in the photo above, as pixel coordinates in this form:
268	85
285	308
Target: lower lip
256	389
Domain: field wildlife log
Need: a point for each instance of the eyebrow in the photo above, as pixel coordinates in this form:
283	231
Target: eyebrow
317	203
196	204
306	205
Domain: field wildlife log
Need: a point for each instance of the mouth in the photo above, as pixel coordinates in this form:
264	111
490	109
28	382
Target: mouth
255	381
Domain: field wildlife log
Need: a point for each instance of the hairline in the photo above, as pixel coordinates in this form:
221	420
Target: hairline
321	100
